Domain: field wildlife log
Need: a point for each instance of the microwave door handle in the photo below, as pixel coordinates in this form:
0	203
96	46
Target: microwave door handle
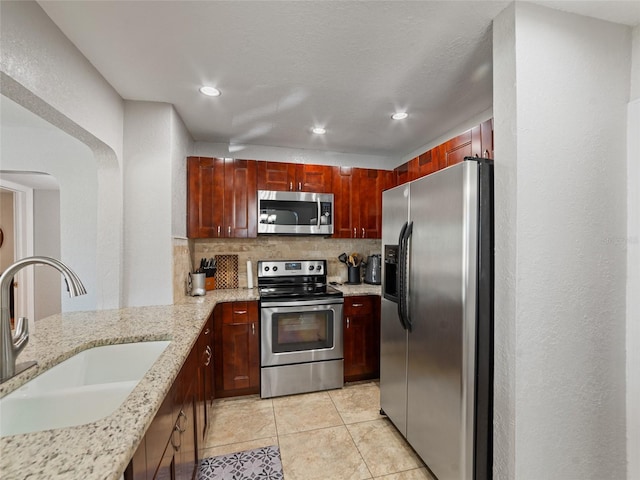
319	210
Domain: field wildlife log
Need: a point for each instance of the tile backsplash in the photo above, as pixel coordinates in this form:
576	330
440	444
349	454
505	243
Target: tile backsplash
284	248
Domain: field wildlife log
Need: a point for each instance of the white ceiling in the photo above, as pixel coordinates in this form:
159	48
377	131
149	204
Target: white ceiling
285	66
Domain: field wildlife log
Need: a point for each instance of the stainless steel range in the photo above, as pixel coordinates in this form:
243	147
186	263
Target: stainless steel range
301	328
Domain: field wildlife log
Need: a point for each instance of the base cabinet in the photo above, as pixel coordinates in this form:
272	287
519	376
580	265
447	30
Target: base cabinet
169	449
236	349
361	338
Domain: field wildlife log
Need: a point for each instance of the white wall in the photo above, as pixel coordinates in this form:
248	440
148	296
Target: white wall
633	267
147	203
48	284
561	87
43	71
181	148
74	166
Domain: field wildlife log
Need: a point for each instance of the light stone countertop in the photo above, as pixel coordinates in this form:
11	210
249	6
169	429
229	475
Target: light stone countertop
103	449
362	289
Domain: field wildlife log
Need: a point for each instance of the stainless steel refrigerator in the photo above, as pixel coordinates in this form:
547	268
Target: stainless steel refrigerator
436	366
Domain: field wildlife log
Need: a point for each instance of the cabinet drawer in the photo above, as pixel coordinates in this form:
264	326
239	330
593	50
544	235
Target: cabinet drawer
240	312
358	305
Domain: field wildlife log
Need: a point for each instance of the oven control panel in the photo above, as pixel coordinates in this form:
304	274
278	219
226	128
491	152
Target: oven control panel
282	268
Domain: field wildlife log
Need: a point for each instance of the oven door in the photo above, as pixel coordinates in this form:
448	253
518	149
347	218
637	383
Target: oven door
301	331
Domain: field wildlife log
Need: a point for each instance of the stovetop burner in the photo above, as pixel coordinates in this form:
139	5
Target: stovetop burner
301	279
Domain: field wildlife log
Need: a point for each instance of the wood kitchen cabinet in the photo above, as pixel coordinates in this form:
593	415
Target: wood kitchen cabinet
221	198
476	142
361	338
169	449
204	394
406	172
358	201
236	349
282	176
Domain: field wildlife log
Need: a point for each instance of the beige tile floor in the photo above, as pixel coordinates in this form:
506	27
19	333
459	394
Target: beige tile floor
334	435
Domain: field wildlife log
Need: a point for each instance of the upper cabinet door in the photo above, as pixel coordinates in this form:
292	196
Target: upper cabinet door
240	199
371	184
221	198
313	178
294	177
205	194
346	202
276	176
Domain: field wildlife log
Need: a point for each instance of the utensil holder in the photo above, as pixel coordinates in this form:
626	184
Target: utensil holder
353	275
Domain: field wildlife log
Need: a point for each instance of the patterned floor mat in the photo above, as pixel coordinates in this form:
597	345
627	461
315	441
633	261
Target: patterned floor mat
261	463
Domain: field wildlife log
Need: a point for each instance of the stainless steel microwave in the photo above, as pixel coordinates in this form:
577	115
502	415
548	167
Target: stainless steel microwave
295	213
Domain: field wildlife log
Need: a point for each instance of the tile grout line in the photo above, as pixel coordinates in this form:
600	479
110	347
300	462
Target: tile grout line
351	436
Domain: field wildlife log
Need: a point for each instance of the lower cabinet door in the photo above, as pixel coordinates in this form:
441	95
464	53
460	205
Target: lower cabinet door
166	469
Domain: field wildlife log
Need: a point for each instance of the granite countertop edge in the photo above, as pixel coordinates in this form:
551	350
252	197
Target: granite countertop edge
102	450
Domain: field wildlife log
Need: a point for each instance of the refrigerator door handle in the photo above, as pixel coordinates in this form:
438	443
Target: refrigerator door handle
407	287
400	275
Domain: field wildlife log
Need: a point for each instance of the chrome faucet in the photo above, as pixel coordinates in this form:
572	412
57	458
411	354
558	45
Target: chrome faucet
11	345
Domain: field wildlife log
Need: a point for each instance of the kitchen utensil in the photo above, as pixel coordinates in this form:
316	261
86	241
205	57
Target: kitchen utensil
196	284
343	257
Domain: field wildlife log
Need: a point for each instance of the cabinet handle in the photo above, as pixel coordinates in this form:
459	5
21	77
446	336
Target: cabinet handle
218	230
253	329
347	322
357	305
209	354
299	186
240	312
176	430
362	232
291	186
186	420
354	233
229	231
206	332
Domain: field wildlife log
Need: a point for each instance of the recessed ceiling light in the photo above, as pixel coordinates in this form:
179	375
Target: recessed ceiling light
400	115
210	91
318	130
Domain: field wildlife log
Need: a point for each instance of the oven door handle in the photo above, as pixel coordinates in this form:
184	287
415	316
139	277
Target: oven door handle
302	303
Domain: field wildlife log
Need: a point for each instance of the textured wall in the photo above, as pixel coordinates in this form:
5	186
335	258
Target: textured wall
43	71
561	147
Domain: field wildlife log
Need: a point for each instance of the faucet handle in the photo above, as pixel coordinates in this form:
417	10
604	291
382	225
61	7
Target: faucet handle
21	336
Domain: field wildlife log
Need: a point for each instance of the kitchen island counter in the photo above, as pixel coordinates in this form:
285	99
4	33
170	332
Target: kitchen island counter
102	449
